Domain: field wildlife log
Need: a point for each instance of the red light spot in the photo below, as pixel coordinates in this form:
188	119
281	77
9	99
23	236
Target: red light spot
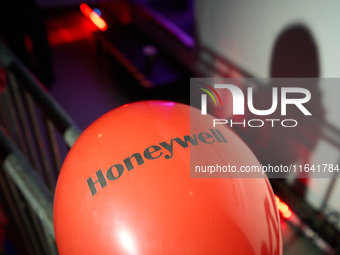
283	208
286	214
277	199
93	16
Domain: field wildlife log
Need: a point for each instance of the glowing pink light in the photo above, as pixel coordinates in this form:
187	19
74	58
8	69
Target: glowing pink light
93	16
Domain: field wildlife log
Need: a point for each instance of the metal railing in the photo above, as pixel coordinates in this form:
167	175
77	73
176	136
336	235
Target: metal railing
33	127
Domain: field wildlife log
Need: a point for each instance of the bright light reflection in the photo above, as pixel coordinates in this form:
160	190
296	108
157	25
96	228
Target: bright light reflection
127	242
169	104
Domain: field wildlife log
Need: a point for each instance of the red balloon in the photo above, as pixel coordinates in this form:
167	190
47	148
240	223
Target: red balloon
125	188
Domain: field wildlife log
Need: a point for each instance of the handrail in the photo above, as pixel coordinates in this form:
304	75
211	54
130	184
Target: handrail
20	126
58	116
30	185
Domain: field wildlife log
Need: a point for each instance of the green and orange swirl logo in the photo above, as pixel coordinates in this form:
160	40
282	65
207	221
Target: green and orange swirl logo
209	93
